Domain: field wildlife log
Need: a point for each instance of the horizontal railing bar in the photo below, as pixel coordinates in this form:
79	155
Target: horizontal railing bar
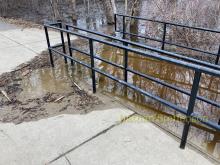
80	51
151	78
56	23
190	48
159	81
159	57
208	101
69	57
208	123
170	43
173	87
170	23
189	59
56	46
97	57
141	36
162	101
108	62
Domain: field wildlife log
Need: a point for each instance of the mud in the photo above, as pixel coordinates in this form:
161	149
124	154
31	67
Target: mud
38	91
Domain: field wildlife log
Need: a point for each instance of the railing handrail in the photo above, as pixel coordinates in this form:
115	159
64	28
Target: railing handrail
192	66
163	40
193	94
207	64
171	23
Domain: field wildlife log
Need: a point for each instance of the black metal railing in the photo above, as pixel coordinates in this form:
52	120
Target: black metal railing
163	40
142	46
125	45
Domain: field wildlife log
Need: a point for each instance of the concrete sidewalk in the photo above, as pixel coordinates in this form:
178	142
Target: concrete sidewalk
97	138
18	45
37	143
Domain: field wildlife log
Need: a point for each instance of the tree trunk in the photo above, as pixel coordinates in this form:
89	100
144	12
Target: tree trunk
110	10
135	11
55	10
72	11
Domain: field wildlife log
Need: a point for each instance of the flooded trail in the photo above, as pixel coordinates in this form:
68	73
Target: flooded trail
45	80
204	138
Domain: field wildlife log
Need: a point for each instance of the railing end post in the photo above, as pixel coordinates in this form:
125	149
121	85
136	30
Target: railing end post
164	35
218	57
185	135
115	20
124	27
92	65
48	45
125	63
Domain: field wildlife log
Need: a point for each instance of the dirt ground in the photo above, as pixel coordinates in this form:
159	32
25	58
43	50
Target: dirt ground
27	104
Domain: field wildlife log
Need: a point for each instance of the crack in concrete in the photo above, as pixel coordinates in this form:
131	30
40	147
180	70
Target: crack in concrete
20	44
68	161
90	139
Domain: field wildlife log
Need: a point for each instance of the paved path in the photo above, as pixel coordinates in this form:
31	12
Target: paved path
19	45
97	138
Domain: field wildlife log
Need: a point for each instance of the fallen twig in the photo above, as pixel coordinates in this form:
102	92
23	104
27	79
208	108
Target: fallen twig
6	95
77	86
59	99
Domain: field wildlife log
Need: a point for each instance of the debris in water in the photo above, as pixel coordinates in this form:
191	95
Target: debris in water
77	85
6	95
59	99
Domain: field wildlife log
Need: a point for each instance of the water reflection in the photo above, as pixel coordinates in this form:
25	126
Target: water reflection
181	77
172	74
205	138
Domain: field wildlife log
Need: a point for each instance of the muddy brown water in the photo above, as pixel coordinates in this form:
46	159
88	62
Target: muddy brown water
202	137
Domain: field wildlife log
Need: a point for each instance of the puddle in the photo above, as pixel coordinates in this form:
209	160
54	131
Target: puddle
46	80
44	93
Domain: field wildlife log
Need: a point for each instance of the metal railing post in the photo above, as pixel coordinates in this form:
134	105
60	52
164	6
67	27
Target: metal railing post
48	44
115	18
69	44
192	101
124	27
62	40
218	57
92	65
125	63
164	35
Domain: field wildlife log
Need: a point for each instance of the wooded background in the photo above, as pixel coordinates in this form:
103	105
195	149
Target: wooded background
192	12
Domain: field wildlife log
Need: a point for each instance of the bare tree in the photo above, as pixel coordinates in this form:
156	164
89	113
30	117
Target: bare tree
135	11
55	10
72	10
110	9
